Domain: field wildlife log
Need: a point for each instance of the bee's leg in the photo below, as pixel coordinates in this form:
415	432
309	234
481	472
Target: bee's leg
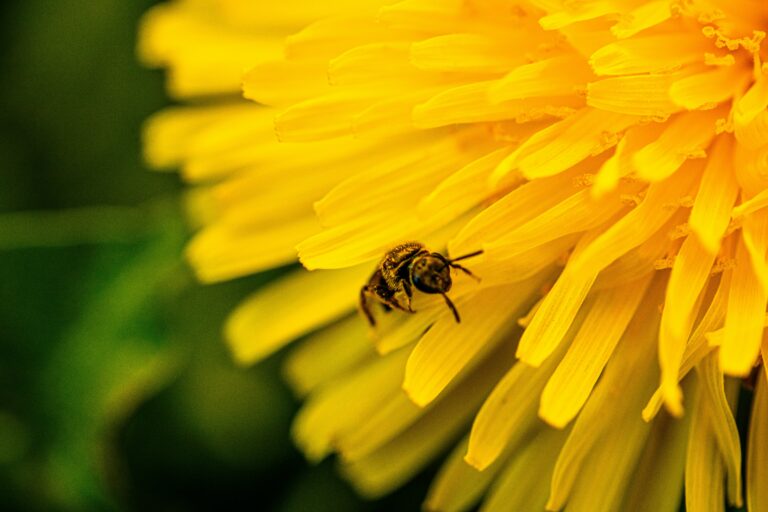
364	291
452	308
409	295
465	270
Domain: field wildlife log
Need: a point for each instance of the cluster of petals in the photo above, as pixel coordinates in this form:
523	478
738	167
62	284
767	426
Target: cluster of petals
610	159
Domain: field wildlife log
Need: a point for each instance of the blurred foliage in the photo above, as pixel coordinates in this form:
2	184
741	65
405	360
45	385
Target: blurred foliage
115	389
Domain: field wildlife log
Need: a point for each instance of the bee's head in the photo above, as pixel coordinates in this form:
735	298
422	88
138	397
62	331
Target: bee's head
431	274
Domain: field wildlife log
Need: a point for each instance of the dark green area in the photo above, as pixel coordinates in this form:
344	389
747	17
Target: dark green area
116	391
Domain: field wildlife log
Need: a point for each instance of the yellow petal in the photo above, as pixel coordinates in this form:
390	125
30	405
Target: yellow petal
548	77
396	462
575	12
710	215
744	318
329	37
611	414
499	427
324	117
575	376
447	348
755	234
753	134
697	347
686	136
754	101
577	213
637	95
568	142
327	354
474	53
638	225
751	205
524	482
282	82
704	471
707	89
513	210
641	54
641	17
554	317
345	403
621	163
223	251
658	477
757	449
470	104
267	320
458	486
688	278
464	189
722	423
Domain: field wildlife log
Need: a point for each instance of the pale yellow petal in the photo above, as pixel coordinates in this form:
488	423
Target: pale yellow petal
607	417
753	134
709	88
637	95
754	101
554	317
268	319
223	251
580	212
448	348
458	486
499	427
697	347
524	482
657	207
329	37
470	104
722	422
641	54
572	382
345	403
396	462
704	470
464	189
717	193
576	12
514	209
621	163
567	142
757	449
658	479
548	77
475	53
611	463
327	354
755	235
688	278
323	117
686	136
282	82
643	16
743	319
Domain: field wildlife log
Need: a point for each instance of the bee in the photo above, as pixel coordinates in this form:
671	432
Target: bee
407	266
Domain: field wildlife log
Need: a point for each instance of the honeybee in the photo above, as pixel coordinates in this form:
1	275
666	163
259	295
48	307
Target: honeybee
407	266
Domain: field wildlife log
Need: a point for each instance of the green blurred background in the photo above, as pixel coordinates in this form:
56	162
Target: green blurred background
116	391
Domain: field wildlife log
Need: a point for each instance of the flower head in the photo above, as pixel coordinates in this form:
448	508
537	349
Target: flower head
610	159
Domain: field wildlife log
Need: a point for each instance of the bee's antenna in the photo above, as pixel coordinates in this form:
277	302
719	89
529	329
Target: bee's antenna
452	307
464	257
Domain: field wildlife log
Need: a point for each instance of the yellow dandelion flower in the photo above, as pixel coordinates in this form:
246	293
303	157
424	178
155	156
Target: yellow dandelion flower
610	159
